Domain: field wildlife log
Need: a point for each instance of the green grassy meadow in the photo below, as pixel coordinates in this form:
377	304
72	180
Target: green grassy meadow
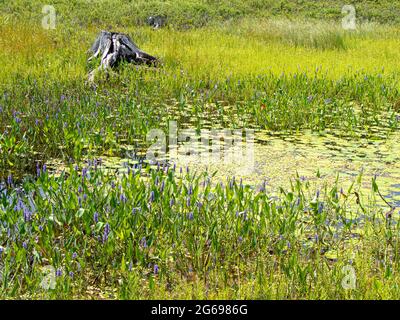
142	231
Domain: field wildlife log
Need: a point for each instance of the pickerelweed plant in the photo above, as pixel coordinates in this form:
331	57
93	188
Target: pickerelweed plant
152	230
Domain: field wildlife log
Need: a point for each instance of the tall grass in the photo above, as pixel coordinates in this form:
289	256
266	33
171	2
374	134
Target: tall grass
274	79
185	14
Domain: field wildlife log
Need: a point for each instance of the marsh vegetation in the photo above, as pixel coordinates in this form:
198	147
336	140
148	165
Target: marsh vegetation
76	195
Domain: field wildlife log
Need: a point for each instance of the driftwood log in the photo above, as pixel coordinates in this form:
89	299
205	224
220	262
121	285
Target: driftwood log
114	48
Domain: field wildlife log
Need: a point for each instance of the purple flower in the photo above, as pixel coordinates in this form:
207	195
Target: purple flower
152	197
171	202
74	255
143	242
71	274
24	245
19	205
96	217
263	186
232	182
106	233
58	273
9	180
190	216
27	214
188	201
107	228
123	198
156	269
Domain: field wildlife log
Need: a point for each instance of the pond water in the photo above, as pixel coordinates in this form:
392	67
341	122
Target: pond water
278	158
317	158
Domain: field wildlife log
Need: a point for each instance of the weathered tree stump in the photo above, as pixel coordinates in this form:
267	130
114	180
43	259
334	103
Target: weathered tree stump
157	21
114	48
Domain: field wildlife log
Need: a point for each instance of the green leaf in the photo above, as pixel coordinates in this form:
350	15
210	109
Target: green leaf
80	212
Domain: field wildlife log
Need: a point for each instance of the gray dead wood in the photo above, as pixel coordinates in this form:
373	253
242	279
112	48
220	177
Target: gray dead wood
157	21
114	48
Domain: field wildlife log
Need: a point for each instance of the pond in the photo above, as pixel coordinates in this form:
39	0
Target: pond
278	158
318	158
